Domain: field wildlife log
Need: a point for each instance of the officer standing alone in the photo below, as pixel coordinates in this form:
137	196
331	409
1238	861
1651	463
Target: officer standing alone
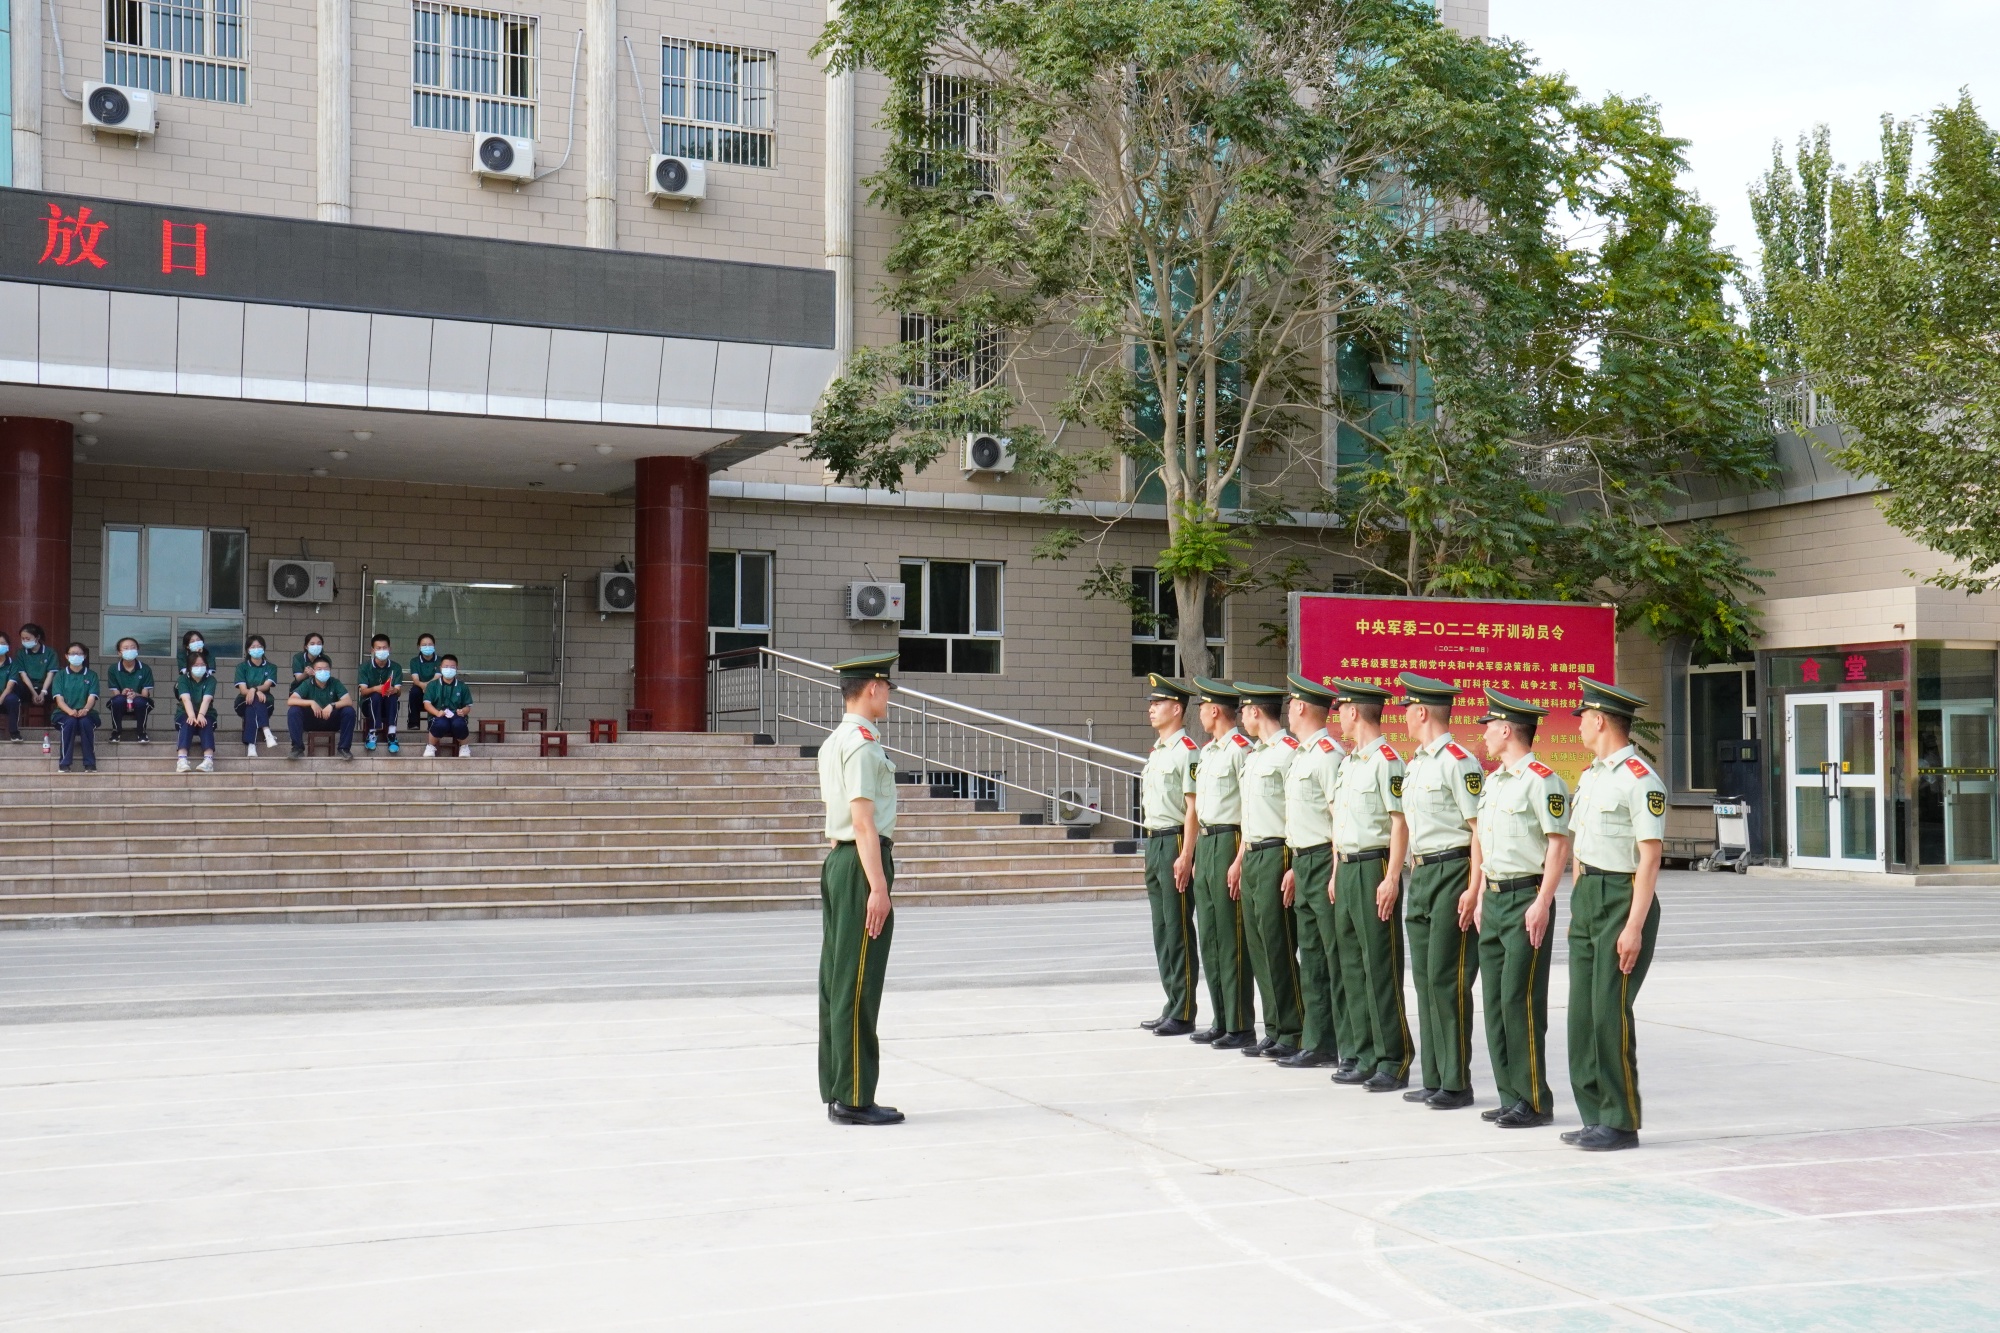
1218	799
858	784
1259	873
1619	820
1308	887
1166	796
1369	839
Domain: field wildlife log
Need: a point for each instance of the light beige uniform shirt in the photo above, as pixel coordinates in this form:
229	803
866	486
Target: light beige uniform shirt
1309	791
1166	781
1523	804
1218	794
1368	790
1264	787
1441	796
853	764
1620	803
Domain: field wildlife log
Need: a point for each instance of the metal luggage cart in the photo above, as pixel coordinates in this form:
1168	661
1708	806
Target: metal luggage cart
1732	837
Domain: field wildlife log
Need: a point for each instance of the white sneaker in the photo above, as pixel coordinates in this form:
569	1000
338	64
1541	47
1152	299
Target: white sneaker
430	752
464	751
249	752
270	740
181	764
207	764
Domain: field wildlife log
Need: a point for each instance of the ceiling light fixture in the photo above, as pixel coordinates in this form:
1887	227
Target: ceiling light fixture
566	467
363	435
86	440
337	455
319	472
92	418
604	450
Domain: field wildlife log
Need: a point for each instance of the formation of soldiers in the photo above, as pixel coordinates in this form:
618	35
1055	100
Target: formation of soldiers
1275	868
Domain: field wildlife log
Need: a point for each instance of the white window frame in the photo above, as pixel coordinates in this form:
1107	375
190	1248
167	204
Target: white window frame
450	68
919	609
1158	635
1747	709
739	625
206	617
719	102
959	111
197	49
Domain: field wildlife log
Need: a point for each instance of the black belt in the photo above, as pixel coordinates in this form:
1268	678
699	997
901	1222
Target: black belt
849	842
1448	854
1583	869
1265	844
1316	847
1163	833
1516	883
1209	830
1372	854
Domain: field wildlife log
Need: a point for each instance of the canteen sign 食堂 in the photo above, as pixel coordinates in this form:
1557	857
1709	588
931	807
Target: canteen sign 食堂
1531	650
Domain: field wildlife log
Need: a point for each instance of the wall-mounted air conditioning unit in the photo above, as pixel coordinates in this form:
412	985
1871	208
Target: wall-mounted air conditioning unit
985	452
684	179
870	600
118	110
617	591
300	580
503	158
1079	807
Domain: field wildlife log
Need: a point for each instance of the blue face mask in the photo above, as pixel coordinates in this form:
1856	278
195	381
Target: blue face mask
381	654
256	653
129	654
197	671
449	673
196	645
28	642
429	650
322	675
3	645
312	650
76	660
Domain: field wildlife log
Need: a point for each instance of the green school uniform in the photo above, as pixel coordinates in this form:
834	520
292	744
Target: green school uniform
374	675
75	688
139	679
453	694
35	665
303	665
423	669
313	692
255	674
184	684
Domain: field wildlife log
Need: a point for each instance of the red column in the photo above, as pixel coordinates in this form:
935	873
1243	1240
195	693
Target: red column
36	467
670	636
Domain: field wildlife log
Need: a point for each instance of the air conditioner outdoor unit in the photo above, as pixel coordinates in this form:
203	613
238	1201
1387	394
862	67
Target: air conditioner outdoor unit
988	453
300	580
119	110
617	591
874	601
503	158
682	178
1078	807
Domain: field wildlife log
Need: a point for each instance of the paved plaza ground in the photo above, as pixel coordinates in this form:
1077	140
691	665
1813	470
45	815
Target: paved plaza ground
610	1124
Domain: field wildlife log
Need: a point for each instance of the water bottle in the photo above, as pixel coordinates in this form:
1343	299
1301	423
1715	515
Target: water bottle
45	742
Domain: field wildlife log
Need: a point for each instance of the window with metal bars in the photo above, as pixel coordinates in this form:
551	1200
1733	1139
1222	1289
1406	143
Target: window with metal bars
944	358
959	114
193	48
472	70
718	103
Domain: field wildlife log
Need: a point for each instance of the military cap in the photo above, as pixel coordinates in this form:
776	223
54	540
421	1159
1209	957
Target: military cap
1608	699
1264	696
1360	692
869	666
1506	708
1166	687
1427	690
1216	692
1310	691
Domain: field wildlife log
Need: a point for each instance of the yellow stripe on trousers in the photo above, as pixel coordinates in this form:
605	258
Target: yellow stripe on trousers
860	977
1631	1074
1534	1057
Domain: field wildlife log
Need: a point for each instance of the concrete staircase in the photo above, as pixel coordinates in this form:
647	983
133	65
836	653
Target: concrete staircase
654	823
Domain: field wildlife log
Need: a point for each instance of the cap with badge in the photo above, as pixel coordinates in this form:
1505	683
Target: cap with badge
870	666
1216	692
1506	708
1360	692
1270	698
1427	690
1310	691
1166	687
1608	699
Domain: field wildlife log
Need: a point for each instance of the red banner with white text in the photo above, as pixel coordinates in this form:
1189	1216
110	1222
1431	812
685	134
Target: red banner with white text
1531	650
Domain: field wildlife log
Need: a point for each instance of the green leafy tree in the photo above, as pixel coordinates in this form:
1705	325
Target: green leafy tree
1165	222
1900	326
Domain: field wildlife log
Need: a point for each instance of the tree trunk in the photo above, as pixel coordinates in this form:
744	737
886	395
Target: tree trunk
1191	600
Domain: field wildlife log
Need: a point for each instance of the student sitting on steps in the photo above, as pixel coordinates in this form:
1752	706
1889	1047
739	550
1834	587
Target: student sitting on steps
423	670
73	698
448	702
194	714
256	684
35	666
12	693
128	689
313	655
381	692
321	703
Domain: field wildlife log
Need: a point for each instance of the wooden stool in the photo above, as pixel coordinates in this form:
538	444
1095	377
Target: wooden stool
603	729
555	742
446	745
638	719
492	729
46	712
321	742
534	719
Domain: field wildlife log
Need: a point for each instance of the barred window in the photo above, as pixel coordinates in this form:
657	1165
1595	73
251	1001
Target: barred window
205	39
473	70
959	113
718	103
945	360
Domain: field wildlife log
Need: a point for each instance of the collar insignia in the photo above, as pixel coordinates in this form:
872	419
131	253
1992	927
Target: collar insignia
1540	769
1389	752
1639	769
1326	745
1452	749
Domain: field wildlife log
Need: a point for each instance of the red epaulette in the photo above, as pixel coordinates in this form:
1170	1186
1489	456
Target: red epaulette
1540	769
1389	753
1639	770
1189	742
866	734
1451	747
1240	738
1326	745
1292	741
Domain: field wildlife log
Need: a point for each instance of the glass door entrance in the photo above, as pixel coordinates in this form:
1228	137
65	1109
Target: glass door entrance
1834	780
1966	731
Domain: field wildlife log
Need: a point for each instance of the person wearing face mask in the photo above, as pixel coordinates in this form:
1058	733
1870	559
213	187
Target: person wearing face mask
319	702
191	643
381	692
448	703
423	670
73	693
194	690
129	691
256	682
35	670
12	693
303	662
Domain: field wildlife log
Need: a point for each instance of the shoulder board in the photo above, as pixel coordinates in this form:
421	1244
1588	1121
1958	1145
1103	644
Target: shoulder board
1389	752
1638	767
1240	739
865	734
1326	745
1189	742
1451	747
1540	769
1292	741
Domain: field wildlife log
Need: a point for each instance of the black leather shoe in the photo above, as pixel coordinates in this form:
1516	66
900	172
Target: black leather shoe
1420	1094
1233	1041
1384	1081
1494	1113
1268	1044
1348	1063
841	1114
1173	1027
1523	1116
1572	1135
1150	1023
1351	1074
1448	1100
1280	1050
1603	1138
1307	1060
1206	1035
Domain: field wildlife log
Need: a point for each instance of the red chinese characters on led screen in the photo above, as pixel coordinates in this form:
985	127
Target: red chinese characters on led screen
72	238
184	247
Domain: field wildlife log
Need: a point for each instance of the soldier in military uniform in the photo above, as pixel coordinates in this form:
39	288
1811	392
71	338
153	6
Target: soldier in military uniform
1619	821
1218	804
1259	873
1369	840
1523	851
858	784
1441	801
1325	1029
1166	795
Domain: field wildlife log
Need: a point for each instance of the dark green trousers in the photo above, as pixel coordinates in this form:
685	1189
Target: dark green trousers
1274	948
1324	1020
1445	961
1173	928
1603	1045
1371	960
1514	982
851	968
1219	924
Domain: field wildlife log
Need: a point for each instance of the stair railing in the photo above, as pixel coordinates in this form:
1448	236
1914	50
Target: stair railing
953	748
